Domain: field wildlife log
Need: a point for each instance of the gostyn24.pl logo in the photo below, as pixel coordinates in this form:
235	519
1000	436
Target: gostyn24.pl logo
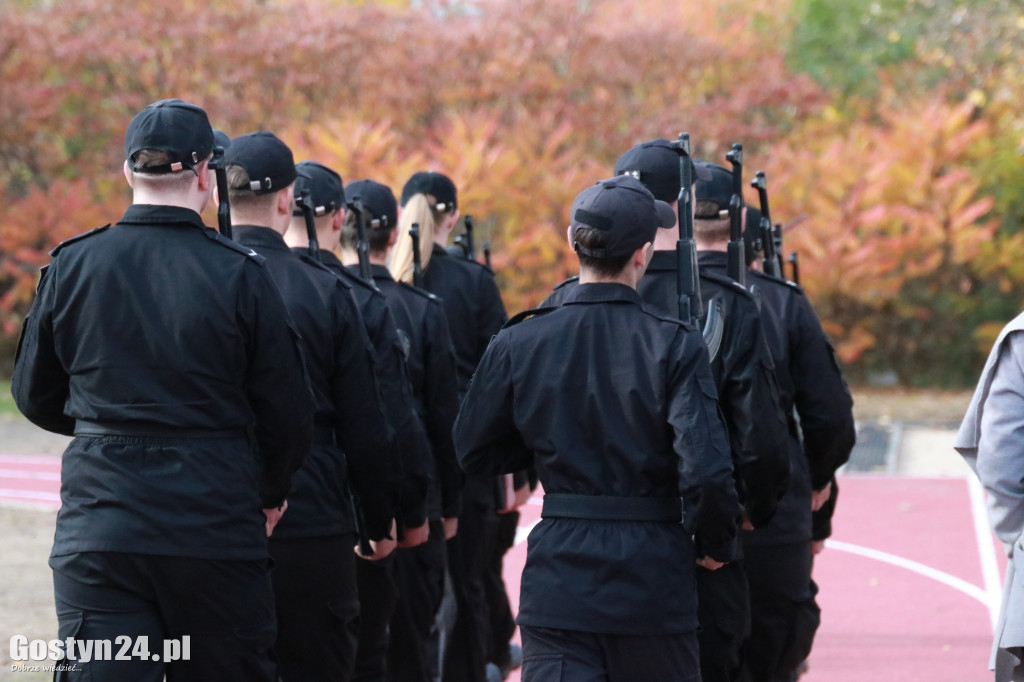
122	648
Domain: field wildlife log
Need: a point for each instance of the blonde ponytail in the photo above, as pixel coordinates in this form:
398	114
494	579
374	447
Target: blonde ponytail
418	209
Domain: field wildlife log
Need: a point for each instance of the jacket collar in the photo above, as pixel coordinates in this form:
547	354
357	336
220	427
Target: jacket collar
259	238
151	214
603	292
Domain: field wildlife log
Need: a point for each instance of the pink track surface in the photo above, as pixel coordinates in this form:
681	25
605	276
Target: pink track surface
916	612
883	622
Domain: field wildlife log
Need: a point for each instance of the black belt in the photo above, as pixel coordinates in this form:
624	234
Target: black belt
88	428
606	508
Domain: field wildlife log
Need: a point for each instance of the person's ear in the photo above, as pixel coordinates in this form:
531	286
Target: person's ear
285	200
203	175
393	238
338	221
128	174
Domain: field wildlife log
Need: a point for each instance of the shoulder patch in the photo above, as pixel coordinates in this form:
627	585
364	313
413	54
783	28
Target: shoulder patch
527	314
420	292
78	238
574	278
218	238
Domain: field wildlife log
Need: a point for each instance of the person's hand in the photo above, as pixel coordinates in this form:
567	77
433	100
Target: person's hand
274	515
451	527
414	537
820	497
746	524
817	547
709	563
381	548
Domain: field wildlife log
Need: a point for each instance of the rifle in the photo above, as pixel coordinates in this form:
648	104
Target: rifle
771	260
690	307
417	269
465	240
737	266
362	244
487	256
794	261
223	207
305	202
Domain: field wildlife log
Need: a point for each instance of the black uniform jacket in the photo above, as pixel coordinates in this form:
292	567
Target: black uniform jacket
431	362
349	413
744	377
472	304
606	398
162	331
409	437
809	382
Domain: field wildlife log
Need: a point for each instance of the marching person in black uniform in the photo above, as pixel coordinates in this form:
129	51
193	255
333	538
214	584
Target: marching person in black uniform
167	351
419	572
473	307
314	580
377	590
778	557
748	395
616	407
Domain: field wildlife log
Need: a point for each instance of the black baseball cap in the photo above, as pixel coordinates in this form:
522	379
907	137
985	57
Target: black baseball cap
436	185
624	210
716	188
656	165
180	129
377	199
325	187
267	160
221	139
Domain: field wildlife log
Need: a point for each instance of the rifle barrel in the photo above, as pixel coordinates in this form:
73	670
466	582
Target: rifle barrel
417	268
223	206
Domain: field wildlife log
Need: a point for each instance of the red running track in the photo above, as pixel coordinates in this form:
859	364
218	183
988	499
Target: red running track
909	582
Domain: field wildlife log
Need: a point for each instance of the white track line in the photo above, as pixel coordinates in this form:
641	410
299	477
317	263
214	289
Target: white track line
986	549
959	584
36	475
30	495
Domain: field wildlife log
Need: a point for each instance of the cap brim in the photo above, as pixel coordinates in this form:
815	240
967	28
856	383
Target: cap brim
666	216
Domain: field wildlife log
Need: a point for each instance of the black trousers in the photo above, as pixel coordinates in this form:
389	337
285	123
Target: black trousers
465	655
377	596
502	535
723	609
552	655
784	615
317	607
419	573
225	607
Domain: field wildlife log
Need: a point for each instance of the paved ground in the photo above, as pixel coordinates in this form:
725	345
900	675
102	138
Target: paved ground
907	584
